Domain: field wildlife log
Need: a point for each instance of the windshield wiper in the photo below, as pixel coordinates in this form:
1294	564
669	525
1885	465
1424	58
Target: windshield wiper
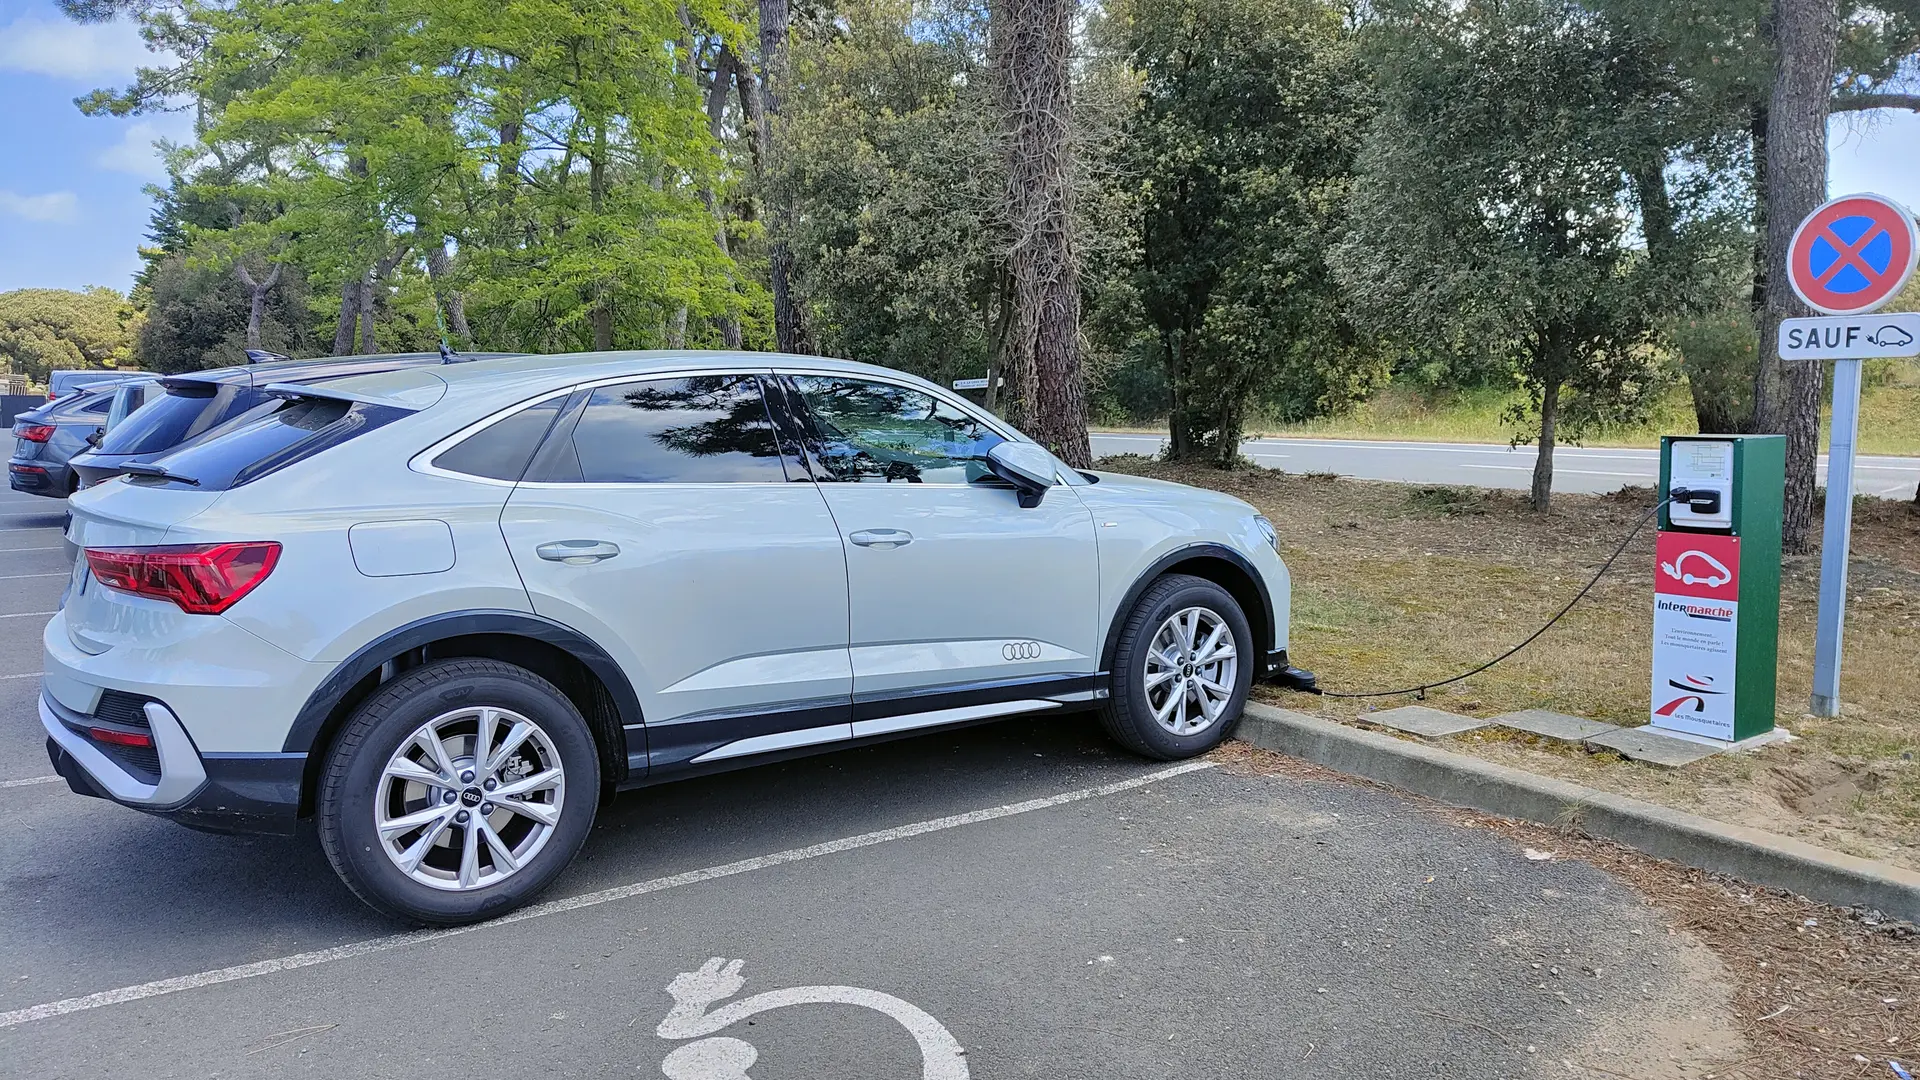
147	468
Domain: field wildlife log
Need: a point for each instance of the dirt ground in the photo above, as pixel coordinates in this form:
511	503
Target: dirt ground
1396	585
1787	989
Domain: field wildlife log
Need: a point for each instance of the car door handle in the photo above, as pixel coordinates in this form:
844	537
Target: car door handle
882	538
577	552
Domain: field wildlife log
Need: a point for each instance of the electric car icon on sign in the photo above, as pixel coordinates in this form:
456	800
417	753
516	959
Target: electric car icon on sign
1714	575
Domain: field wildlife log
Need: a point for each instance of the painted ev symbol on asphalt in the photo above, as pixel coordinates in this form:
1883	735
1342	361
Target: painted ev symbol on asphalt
726	1058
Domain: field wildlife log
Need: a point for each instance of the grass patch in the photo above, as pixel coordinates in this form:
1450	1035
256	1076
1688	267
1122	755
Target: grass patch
1396	586
1889	417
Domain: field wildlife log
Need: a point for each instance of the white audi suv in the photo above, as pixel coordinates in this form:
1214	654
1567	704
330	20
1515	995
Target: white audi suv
442	612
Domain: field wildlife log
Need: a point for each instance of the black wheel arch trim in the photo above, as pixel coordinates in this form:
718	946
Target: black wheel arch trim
367	659
1262	620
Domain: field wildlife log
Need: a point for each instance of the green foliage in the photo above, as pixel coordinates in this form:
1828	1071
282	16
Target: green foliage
1487	216
542	162
891	151
197	318
1238	160
46	329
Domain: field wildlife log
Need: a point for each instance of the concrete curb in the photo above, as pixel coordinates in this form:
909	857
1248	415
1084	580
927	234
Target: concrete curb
1754	855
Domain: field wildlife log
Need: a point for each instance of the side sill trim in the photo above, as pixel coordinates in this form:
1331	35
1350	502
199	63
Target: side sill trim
783	740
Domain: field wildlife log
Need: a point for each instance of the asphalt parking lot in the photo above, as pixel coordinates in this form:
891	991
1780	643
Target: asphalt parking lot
1013	900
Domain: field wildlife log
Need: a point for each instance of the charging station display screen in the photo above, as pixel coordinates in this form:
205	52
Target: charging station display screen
1696	612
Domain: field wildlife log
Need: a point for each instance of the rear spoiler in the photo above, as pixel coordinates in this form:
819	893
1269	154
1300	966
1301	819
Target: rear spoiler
409	398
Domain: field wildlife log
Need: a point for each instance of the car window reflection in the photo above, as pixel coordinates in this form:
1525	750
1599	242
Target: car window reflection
701	429
880	433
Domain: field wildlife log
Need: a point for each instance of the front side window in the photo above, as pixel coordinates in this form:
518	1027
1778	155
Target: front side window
875	432
701	429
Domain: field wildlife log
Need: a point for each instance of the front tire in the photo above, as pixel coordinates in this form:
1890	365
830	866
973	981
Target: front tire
458	791
1181	670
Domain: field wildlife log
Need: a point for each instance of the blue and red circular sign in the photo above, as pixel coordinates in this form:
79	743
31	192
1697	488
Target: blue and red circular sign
1853	254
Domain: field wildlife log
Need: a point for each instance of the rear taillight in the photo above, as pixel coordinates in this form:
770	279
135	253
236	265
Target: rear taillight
201	579
35	432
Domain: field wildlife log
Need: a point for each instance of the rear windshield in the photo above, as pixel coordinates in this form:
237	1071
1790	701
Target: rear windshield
295	432
165	422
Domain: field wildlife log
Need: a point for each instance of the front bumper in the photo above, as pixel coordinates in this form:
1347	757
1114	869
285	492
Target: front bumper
244	793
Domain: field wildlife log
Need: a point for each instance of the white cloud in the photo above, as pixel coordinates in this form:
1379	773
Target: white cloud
135	152
53	206
69	50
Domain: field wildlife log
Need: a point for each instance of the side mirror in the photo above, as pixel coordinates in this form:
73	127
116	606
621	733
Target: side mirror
1027	467
93	440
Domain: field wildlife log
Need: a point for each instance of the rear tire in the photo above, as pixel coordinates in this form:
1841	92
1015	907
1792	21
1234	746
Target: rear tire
474	826
1181	670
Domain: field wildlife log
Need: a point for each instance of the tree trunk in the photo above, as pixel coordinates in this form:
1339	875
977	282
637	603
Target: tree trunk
677	328
349	315
1033	45
258	306
451	300
597	196
369	343
724	66
1787	399
790	331
1541	497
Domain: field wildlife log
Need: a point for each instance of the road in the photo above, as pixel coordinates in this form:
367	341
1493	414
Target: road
1055	907
1580	470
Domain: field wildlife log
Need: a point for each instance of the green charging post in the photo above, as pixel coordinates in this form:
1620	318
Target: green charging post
1716	604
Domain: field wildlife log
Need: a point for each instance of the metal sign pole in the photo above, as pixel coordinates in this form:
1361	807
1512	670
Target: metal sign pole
1836	538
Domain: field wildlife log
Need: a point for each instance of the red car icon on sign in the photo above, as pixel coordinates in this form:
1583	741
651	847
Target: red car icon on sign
1713	575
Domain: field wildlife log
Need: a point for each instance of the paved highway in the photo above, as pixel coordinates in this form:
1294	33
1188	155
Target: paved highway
1591	470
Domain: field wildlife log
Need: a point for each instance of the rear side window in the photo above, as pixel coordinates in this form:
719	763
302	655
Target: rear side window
296	432
703	429
502	449
182	412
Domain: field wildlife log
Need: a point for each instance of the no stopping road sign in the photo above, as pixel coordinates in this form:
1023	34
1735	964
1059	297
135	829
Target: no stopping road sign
1853	254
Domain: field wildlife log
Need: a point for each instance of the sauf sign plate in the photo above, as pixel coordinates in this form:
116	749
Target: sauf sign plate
1696	612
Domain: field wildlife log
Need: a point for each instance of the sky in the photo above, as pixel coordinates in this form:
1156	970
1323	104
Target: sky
74	210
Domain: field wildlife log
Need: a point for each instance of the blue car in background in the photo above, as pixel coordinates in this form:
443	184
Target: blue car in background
46	439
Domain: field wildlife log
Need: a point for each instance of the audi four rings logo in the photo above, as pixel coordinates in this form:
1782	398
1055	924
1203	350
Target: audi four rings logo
1021	650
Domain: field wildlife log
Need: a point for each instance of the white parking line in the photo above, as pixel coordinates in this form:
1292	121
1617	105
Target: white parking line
30	781
28	614
23	577
24	675
575	903
8	550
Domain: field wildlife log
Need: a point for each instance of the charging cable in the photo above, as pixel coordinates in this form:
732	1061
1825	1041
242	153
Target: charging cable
1420	692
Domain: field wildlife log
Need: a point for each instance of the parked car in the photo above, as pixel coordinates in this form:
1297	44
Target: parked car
46	439
196	403
441	610
66	381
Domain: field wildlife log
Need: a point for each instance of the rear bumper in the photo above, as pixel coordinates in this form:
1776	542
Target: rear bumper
34	479
242	793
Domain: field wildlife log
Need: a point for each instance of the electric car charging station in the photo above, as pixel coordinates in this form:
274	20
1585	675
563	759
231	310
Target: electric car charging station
1716	604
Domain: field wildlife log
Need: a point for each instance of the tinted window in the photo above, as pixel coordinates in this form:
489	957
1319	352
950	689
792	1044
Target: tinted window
296	431
164	423
707	429
95	404
881	433
502	449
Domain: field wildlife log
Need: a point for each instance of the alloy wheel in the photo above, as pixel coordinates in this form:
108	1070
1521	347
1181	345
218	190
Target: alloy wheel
1190	671
469	798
